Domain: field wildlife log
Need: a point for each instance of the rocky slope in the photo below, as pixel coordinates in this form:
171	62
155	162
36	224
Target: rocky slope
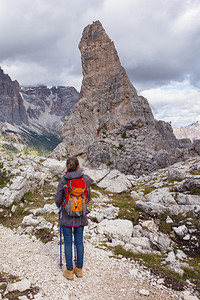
110	123
191	131
156	221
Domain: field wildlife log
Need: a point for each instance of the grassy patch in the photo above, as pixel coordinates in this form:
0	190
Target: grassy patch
193	274
124	136
30	200
52	218
45	235
126	204
9	149
154	263
195	172
195	191
127	208
4	176
145	188
94	195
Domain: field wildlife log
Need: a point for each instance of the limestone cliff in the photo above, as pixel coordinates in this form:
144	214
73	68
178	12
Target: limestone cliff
110	123
12	109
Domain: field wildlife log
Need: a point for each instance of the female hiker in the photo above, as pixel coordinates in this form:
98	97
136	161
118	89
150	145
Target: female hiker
69	220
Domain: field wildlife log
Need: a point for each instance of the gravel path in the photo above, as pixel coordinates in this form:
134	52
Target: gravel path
104	277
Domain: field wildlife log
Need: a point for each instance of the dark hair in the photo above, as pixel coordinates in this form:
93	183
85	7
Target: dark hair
72	164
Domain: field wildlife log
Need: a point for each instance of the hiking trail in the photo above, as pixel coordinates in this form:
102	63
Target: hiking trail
104	277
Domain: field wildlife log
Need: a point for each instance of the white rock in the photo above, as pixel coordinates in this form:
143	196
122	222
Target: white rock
39	296
176	174
120	229
186	237
144	292
180	254
116	182
21	286
13	209
17	183
133	272
171	257
160	240
177	269
96	174
29	221
135	195
180	230
138	231
44	224
116	242
65	297
169	220
142	242
149	224
23	297
47	209
104	213
54	166
190	298
188	199
160	281
159	201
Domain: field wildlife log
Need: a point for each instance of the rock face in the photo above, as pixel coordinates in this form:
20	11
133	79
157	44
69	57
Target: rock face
110	123
46	107
35	113
12	109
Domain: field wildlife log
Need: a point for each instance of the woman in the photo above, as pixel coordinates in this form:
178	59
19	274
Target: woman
68	222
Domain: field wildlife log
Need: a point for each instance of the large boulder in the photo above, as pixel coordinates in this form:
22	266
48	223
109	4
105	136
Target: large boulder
120	229
116	182
159	201
197	146
192	183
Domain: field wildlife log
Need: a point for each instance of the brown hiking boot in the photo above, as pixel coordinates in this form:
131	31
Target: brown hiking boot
78	272
69	274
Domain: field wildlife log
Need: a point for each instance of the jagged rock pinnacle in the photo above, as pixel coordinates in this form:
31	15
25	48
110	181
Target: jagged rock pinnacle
110	123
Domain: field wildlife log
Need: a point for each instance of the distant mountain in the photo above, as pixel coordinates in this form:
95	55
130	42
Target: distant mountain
35	113
191	131
46	107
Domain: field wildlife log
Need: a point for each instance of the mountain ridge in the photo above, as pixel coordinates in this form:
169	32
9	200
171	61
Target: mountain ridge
36	113
191	131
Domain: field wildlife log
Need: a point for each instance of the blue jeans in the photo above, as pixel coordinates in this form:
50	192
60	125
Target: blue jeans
78	246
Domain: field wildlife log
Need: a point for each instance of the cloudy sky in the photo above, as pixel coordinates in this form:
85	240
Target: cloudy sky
158	43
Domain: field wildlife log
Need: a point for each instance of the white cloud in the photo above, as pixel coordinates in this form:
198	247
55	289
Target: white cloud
176	103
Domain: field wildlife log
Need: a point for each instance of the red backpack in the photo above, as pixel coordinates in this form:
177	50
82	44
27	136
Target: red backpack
75	200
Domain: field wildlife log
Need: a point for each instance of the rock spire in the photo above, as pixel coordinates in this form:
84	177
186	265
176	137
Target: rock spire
110	123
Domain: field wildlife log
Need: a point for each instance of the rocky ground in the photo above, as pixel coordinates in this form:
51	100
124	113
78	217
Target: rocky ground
40	277
142	240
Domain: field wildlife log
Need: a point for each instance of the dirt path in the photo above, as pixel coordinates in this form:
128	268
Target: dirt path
104	277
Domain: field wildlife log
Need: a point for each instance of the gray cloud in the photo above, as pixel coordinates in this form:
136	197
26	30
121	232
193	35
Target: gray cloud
157	41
